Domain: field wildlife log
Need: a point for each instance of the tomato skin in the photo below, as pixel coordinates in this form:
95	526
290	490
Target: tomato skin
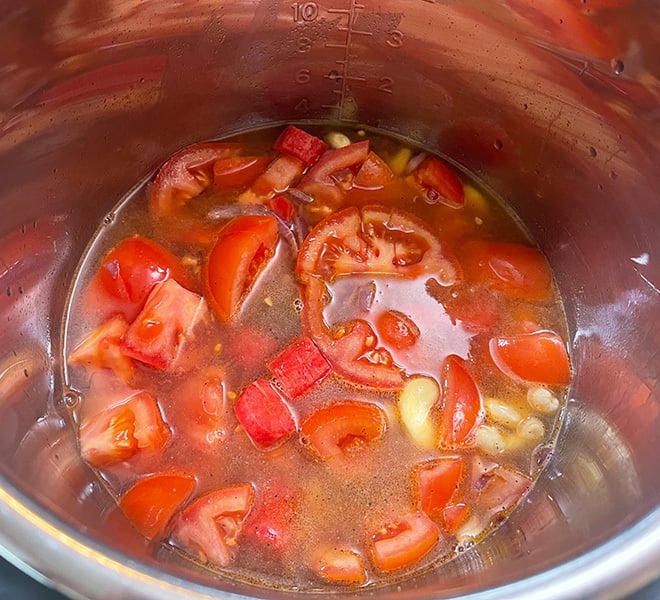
374	174
540	357
462	407
339	430
242	250
186	175
300	366
131	269
238	171
300	144
518	271
209	527
157	334
151	503
403	543
437	482
338	565
101	348
264	415
117	433
439	182
397	330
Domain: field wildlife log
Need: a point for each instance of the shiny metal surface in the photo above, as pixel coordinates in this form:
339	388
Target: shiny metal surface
557	111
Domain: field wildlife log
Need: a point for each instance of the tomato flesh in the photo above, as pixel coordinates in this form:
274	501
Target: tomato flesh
264	415
439	182
397	330
437	482
540	357
152	502
238	171
300	144
300	366
342	429
339	565
209	527
374	174
400	544
241	252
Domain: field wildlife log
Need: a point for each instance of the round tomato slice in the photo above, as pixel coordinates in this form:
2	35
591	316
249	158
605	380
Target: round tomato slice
342	429
153	500
403	543
540	357
462	408
242	250
186	175
375	240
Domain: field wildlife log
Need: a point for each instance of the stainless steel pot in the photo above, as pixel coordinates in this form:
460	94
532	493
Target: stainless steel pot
552	103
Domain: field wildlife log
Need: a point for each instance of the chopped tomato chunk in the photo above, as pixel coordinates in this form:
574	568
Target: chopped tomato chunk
462	409
280	174
209	527
282	207
342	429
241	252
186	175
300	144
151	503
397	330
403	543
272	518
503	489
437	482
540	357
439	182
159	331
264	414
117	433
374	174
237	171
454	515
337	564
299	367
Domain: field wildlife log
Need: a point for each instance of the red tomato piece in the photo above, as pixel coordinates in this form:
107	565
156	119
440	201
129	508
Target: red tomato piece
403	543
117	433
374	174
272	516
342	429
238	171
397	330
151	503
437	482
157	334
439	182
516	270
328	180
462	408
264	415
503	489
242	250
101	348
478	311
186	175
300	366
280	174
540	357
208	528
454	515
300	144
338	565
130	271
282	207
249	348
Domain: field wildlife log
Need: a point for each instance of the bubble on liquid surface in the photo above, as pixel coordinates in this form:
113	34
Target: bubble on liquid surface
617	66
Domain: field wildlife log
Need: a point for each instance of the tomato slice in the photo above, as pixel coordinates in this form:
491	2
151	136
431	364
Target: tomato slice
376	240
186	175
157	334
264	415
403	543
208	528
397	330
101	348
116	434
439	182
540	357
462	407
328	180
130	271
300	144
374	174
338	565
151	503
300	366
238	171
242	250
514	269
342	429
437	482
